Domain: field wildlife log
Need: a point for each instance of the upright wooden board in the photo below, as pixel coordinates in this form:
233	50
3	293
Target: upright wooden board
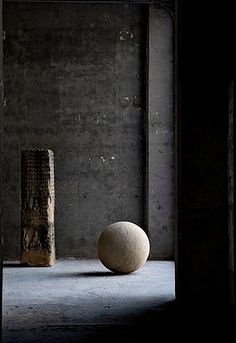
37	208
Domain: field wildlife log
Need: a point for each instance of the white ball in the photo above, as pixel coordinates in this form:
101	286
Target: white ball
123	247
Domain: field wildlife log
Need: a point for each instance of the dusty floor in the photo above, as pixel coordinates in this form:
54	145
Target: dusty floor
81	301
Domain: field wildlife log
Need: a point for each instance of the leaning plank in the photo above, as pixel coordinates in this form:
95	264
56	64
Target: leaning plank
37	208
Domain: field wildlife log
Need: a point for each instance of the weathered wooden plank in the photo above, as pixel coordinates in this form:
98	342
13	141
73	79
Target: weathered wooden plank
37	209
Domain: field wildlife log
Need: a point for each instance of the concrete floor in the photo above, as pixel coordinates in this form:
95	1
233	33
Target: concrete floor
81	301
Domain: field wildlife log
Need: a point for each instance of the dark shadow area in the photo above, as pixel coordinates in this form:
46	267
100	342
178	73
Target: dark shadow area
90	274
21	265
99	274
86	274
166	324
128	326
13	265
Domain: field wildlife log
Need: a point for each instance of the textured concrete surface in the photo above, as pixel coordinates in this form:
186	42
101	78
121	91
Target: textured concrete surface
73	83
161	169
81	299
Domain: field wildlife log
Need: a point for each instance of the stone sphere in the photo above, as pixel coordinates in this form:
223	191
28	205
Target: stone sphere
123	247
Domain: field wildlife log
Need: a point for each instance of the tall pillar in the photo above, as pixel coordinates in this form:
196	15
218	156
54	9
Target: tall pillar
37	208
160	135
202	173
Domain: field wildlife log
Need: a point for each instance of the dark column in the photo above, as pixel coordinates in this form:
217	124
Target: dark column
202	121
37	211
231	146
231	186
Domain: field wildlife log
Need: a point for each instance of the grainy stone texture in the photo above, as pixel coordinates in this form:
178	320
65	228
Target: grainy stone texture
37	208
123	247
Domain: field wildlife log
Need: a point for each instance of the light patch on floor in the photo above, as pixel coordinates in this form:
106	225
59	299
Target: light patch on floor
81	293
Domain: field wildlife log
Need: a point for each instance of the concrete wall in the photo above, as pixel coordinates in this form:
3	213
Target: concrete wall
73	84
78	81
160	135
